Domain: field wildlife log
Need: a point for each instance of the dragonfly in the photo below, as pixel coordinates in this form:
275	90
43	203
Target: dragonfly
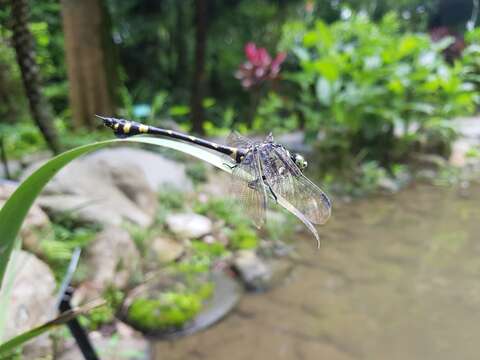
261	170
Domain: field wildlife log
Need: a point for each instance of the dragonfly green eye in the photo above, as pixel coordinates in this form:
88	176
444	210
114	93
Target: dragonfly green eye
300	161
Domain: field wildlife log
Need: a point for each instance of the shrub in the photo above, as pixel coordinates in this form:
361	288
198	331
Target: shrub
471	59
368	88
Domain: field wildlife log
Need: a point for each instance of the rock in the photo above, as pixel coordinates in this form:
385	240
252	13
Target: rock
426	175
14	168
85	292
158	170
166	250
108	187
130	347
429	160
225	297
189	225
33	301
7	187
468	127
112	258
218	184
460	149
253	271
258	274
36	157
387	184
35	224
126	179
86	211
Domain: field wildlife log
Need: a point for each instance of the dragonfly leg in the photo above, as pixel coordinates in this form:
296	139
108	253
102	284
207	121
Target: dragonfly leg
254	186
272	192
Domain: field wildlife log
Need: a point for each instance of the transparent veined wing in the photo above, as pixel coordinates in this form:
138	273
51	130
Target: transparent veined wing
286	179
239	141
248	187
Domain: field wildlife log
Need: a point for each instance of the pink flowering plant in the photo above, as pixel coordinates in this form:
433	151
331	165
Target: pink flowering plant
259	67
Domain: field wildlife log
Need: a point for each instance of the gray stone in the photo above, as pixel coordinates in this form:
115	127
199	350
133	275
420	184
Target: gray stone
188	225
158	170
32	300
165	249
426	175
429	160
108	187
468	127
14	168
35	224
112	258
388	185
7	187
85	210
35	157
459	155
261	274
253	271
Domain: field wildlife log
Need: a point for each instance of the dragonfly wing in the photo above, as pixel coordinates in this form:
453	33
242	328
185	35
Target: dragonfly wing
286	179
239	141
248	186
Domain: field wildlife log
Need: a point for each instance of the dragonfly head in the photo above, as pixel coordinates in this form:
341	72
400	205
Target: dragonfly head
300	161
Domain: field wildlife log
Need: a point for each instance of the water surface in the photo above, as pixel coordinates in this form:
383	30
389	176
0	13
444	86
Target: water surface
396	278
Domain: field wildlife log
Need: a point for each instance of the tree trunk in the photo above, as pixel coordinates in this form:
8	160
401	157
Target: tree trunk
23	43
180	43
198	81
91	60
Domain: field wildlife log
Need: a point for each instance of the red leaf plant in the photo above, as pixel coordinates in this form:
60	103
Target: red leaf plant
259	66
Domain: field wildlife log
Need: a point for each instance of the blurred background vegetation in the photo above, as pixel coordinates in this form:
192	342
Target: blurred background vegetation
365	81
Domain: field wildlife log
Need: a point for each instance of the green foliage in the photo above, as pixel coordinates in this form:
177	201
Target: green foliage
471	59
280	226
201	259
370	175
197	172
21	139
171	198
171	310
12	100
106	314
212	251
226	209
57	247
276	113
243	237
368	87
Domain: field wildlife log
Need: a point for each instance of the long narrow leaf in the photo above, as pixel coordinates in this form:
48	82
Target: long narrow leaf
65	317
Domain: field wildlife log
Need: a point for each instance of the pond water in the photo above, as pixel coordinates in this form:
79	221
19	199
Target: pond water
396	278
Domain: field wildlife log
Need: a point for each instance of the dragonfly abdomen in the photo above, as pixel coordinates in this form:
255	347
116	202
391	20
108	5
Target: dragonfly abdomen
126	128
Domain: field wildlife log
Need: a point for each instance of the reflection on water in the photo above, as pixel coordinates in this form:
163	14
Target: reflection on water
396	278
